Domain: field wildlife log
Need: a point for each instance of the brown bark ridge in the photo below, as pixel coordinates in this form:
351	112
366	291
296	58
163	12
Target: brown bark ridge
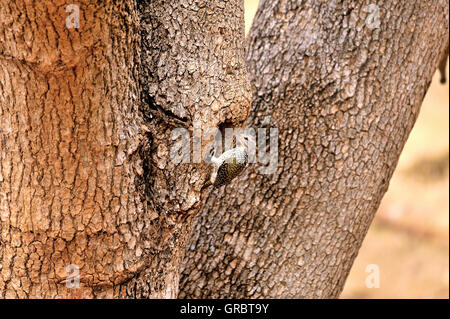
344	97
443	66
85	120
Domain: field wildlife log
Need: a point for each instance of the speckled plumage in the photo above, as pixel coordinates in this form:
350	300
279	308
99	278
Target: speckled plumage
229	165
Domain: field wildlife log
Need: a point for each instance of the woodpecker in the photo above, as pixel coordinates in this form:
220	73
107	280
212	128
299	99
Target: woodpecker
231	163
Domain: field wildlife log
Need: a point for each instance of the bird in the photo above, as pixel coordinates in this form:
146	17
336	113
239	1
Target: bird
231	163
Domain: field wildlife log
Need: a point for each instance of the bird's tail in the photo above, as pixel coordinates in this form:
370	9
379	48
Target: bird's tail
208	183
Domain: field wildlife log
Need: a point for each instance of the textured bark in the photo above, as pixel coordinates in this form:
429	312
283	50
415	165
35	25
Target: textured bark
344	98
85	121
192	74
69	126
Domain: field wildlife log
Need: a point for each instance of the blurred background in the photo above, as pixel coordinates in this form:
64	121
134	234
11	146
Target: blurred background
409	237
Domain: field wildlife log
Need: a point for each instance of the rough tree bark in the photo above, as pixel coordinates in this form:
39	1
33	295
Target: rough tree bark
85	122
344	97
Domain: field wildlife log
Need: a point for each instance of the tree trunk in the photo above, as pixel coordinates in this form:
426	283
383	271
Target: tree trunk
86	114
344	93
86	184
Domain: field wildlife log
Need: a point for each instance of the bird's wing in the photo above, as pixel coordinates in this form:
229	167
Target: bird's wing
227	171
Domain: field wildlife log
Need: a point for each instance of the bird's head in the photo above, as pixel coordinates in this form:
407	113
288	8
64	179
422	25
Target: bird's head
247	140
